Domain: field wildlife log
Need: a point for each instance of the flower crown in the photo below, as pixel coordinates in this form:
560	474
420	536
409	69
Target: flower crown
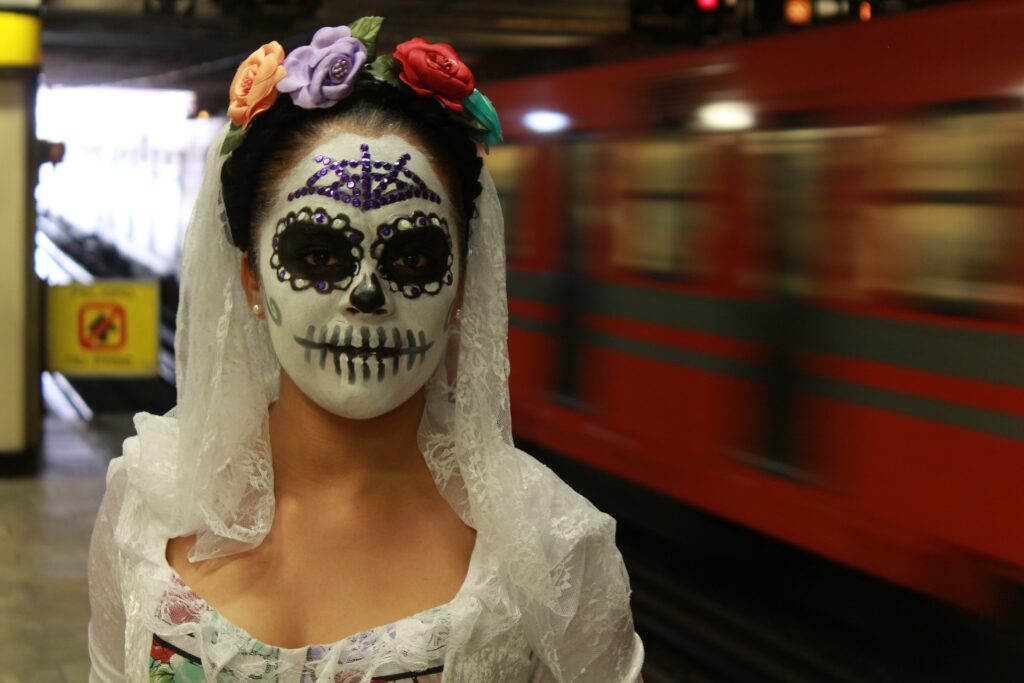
321	74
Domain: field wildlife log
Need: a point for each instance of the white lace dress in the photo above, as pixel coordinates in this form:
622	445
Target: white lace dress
143	611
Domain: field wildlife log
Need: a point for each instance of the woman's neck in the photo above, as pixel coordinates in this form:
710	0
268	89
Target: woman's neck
317	451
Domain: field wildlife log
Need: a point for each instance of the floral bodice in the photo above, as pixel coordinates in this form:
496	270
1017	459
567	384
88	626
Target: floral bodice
178	655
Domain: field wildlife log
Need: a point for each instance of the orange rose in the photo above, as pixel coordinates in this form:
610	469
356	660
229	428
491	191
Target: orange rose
252	90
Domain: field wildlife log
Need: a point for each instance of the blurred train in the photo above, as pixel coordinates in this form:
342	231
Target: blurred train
782	281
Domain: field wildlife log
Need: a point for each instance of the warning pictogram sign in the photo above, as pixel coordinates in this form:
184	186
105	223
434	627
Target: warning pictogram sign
102	325
109	328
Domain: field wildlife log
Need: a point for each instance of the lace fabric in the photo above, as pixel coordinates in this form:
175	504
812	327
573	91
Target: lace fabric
553	585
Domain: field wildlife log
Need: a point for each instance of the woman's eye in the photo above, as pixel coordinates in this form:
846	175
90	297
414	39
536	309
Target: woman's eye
320	258
412	260
416	256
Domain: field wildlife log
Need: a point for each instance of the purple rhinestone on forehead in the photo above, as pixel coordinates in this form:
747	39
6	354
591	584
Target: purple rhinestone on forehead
320	286
368	189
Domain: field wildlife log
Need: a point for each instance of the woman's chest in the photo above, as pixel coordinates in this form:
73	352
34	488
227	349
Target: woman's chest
196	643
292	594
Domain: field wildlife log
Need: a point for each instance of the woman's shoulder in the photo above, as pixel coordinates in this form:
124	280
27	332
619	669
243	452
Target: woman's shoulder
136	481
578	577
571	517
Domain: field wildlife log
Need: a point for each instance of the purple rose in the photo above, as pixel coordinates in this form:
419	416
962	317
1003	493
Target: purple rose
326	71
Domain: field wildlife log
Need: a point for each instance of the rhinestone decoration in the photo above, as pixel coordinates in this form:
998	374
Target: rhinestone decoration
367	188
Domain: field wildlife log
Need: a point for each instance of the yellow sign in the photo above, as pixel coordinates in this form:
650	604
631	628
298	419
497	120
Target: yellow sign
20	42
106	329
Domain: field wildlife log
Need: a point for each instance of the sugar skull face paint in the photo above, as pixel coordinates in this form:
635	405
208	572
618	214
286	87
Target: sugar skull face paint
361	295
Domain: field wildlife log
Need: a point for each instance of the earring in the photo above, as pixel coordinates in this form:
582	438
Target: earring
257	310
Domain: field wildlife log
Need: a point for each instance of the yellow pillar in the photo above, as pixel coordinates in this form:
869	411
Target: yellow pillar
20	301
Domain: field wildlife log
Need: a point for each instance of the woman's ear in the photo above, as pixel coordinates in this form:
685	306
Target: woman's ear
250	280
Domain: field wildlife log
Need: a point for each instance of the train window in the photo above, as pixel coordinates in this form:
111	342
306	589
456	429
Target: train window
507	164
948	255
662	208
944	209
952	153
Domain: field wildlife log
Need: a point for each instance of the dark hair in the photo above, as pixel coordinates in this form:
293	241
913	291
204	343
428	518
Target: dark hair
268	150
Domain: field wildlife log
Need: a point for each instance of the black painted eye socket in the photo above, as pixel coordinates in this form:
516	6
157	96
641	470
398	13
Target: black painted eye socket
416	257
317	252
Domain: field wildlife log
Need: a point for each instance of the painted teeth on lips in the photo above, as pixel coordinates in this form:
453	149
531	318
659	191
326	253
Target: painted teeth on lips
363	342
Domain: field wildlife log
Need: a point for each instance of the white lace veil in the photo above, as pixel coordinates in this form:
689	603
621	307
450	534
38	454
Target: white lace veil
561	581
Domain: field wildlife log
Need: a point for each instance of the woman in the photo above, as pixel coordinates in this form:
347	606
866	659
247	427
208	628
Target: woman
359	336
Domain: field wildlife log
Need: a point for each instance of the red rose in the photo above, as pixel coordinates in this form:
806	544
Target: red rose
435	69
160	653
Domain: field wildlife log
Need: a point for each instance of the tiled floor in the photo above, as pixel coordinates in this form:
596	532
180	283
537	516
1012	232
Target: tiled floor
45	523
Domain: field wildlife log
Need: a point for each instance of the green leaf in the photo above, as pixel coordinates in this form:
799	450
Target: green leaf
479	106
365	30
232	140
385	68
466	119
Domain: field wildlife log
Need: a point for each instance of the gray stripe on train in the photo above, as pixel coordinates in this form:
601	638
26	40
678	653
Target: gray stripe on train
695	360
971	354
950	414
701	313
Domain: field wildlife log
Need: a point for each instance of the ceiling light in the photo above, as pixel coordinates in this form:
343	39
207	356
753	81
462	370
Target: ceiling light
726	116
542	121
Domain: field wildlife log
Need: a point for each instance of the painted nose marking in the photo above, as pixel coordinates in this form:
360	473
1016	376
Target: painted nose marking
368	296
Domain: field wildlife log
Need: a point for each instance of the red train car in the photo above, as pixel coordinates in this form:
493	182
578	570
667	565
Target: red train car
802	311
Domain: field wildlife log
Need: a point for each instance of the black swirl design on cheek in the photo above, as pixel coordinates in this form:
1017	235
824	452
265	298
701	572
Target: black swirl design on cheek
414	254
274	311
311	249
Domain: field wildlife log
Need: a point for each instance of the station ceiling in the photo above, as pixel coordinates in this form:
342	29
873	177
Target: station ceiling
198	44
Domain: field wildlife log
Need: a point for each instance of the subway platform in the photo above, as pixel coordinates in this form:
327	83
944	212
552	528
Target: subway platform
45	524
722	607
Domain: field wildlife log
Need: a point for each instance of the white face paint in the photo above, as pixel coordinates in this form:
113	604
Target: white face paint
359	298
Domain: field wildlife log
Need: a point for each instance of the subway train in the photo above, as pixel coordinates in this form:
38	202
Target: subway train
781	281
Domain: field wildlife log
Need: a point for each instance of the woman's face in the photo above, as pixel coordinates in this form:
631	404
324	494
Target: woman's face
359	264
